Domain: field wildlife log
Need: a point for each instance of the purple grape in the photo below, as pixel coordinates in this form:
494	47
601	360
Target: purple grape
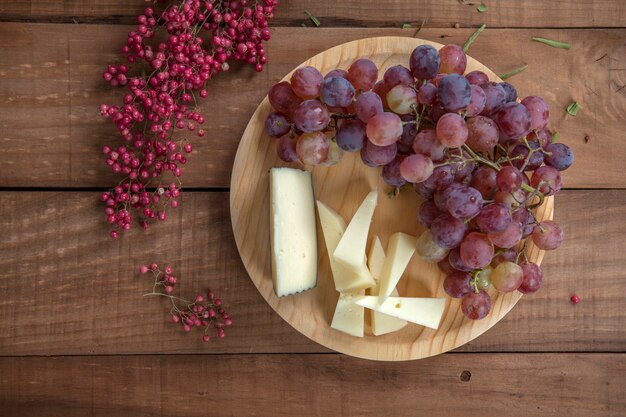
424	191
440	197
508	237
283	99
351	135
495	98
441	178
476	250
337	73
426	143
427	213
484	180
494	217
409	131
464	202
513	119
453	59
457	284
391	172
398	75
477	77
548	235
539	112
368	105
477	101
337	92
277	125
363	74
534	161
306	82
424	62
454	258
447	231
482	133
532	278
366	159
476	306
311	116
380	155
559	156
416	168
427	94
511	92
547	180
454	92
509	178
286	149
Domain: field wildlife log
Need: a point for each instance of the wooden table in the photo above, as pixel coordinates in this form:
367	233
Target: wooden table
77	338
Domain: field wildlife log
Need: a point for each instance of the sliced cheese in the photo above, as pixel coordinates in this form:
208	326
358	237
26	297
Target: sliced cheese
376	258
350	251
292	231
381	323
423	311
399	252
349	317
333	227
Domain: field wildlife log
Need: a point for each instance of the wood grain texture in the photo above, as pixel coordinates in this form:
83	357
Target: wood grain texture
472	385
50	84
343	187
69	289
520	13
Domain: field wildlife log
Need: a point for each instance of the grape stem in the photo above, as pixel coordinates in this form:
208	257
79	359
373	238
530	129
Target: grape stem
496	167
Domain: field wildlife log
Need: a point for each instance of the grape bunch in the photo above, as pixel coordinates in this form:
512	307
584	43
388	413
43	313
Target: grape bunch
482	159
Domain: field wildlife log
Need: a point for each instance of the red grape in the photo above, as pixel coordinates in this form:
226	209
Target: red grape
363	74
476	306
306	82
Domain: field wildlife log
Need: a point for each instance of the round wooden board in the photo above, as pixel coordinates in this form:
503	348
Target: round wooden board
343	187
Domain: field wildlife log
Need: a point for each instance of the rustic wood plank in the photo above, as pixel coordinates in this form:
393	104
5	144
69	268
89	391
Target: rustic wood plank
520	13
315	385
51	87
69	289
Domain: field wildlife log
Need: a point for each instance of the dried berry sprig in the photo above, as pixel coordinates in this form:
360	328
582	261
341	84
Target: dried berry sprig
204	312
164	77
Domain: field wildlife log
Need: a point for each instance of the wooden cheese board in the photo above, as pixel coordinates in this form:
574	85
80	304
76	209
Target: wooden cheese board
343	187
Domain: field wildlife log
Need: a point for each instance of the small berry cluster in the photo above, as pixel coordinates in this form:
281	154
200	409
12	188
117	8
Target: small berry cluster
162	81
204	312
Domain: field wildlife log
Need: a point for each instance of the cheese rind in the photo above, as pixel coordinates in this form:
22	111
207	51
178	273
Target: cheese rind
292	231
423	311
381	323
399	252
333	227
350	251
349	317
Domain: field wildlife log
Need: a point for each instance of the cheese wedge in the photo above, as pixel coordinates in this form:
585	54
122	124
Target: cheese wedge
333	228
376	258
399	252
381	323
292	231
349	317
350	251
423	311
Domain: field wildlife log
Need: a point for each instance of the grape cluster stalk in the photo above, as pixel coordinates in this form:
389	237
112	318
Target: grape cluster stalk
171	56
482	159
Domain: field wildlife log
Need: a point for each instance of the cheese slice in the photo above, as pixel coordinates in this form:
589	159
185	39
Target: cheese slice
292	231
350	251
376	258
423	311
349	317
399	252
333	228
381	323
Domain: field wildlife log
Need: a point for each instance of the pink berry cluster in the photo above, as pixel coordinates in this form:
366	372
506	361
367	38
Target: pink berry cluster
204	312
162	80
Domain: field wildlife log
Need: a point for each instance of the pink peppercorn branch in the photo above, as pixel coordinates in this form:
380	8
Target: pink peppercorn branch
202	37
206	313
